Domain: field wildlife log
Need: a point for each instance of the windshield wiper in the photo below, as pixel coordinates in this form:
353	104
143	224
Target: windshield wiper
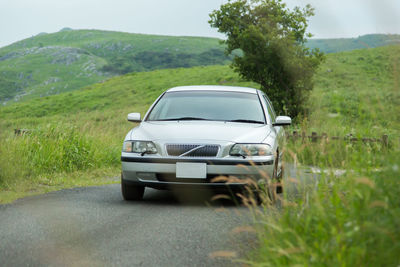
247	121
184	119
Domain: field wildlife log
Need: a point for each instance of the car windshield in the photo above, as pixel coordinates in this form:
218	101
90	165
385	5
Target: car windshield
208	105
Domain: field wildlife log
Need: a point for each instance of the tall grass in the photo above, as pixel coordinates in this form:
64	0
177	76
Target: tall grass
52	149
338	154
347	220
351	217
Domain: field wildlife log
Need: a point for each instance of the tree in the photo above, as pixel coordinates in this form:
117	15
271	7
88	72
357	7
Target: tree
271	39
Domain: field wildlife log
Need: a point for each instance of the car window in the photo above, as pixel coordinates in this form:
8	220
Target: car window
270	108
208	105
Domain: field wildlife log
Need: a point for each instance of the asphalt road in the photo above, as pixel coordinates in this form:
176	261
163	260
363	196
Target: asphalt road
94	227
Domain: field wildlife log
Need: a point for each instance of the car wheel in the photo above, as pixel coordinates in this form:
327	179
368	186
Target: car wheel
277	177
279	188
131	192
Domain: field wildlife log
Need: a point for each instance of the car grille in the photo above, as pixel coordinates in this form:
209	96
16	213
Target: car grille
196	150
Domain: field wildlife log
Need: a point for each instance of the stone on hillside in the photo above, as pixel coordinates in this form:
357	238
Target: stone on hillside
127	47
89	66
113	46
67	55
52	80
9	56
94	45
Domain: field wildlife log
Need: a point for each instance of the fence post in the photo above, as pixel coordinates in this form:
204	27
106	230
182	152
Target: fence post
295	135
314	137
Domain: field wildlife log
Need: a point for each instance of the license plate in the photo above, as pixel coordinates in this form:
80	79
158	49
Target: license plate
191	170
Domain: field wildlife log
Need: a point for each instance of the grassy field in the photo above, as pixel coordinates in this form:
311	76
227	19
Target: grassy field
351	219
355	93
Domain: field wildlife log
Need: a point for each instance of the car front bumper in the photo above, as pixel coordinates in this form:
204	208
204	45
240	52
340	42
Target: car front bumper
160	172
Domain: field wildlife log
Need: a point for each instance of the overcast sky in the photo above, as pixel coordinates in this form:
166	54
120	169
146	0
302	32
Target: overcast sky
21	19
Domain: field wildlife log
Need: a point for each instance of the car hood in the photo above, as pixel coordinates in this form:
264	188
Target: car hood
182	131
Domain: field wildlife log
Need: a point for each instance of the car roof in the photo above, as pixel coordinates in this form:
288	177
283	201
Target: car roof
214	88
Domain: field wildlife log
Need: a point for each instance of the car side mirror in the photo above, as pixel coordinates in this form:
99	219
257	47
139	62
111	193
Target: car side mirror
282	121
134	117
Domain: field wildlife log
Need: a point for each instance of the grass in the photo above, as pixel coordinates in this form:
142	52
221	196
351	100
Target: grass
345	220
357	92
53	157
353	218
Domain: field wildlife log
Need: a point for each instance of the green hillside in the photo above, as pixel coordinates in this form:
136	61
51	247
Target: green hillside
347	44
352	88
49	64
48	70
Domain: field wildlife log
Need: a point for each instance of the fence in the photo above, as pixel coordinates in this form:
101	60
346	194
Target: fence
19	132
314	137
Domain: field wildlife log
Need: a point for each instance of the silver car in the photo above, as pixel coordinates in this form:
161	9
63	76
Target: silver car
194	136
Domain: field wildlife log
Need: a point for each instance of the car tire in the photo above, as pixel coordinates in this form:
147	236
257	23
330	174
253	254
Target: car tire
279	188
132	192
278	178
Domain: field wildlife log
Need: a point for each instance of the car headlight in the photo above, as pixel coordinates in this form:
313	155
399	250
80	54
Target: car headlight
251	150
144	147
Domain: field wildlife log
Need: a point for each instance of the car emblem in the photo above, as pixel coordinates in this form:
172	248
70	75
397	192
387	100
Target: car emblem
190	151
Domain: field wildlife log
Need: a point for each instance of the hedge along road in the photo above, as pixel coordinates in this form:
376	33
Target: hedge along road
93	226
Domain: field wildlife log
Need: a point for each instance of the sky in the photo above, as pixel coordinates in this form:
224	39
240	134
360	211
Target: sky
20	19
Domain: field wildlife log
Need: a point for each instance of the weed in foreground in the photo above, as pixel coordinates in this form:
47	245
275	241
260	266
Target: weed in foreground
333	220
